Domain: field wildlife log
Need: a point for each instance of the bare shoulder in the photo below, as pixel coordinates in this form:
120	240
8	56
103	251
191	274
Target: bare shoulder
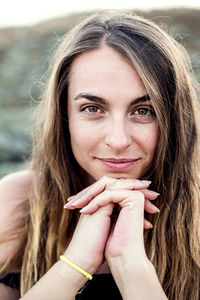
14	189
15	186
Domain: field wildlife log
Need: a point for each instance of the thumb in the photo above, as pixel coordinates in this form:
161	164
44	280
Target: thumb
127	234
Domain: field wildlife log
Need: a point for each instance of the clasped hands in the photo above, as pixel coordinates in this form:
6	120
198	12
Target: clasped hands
98	235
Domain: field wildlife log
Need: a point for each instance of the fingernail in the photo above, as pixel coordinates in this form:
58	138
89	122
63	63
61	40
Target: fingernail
146	181
82	210
70	198
157	210
154	193
67	205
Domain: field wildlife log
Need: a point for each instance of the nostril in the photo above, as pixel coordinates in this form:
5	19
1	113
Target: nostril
118	140
118	132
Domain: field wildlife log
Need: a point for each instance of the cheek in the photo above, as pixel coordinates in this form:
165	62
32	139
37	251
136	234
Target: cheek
152	140
82	136
148	137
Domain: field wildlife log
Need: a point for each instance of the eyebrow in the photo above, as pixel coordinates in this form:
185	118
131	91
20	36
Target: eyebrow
100	100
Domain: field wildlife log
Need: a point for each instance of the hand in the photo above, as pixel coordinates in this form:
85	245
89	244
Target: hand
127	230
86	197
87	246
122	240
93	228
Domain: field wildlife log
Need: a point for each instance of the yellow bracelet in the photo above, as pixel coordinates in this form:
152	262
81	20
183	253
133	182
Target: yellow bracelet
73	265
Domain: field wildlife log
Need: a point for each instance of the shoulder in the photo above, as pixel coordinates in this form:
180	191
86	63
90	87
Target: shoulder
13	192
15	184
14	189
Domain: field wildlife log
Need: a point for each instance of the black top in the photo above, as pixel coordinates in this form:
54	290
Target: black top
12	280
102	286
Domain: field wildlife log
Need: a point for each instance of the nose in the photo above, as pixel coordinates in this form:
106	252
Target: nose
118	135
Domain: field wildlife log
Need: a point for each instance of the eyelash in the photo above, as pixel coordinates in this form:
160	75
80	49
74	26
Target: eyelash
149	111
90	106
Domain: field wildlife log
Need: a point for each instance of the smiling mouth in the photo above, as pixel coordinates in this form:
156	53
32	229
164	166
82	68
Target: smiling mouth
118	164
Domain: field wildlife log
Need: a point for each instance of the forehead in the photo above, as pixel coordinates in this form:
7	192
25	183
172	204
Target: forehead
99	59
104	68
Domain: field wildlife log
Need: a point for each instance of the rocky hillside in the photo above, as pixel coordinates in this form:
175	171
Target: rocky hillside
24	54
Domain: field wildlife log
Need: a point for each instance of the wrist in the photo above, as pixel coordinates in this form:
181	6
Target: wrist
83	262
67	274
76	267
136	279
130	267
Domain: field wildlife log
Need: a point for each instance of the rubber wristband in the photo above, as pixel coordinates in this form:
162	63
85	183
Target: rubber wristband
74	266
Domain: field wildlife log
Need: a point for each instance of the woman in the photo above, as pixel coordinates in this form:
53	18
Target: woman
118	127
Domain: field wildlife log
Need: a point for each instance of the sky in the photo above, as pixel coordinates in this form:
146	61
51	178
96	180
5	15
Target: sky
29	12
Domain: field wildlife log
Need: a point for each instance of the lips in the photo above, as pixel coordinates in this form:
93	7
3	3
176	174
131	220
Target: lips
120	164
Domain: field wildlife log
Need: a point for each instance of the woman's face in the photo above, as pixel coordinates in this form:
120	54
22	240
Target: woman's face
112	123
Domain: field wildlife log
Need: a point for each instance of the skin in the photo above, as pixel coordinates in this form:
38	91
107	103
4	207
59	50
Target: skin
110	118
117	127
114	130
122	244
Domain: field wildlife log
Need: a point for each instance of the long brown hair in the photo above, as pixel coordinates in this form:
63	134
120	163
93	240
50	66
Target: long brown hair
173	245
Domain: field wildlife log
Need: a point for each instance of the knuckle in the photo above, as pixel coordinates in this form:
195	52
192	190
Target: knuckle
106	193
110	181
122	180
136	182
119	183
106	179
113	185
139	196
135	199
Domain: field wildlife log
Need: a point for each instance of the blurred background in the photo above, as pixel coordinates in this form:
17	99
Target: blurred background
29	31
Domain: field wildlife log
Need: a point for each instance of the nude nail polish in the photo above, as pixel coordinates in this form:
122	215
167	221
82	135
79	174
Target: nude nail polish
146	181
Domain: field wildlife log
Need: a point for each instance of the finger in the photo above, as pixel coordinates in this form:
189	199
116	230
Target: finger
110	196
129	184
147	224
128	203
149	194
128	230
106	182
81	201
91	231
150	208
88	194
